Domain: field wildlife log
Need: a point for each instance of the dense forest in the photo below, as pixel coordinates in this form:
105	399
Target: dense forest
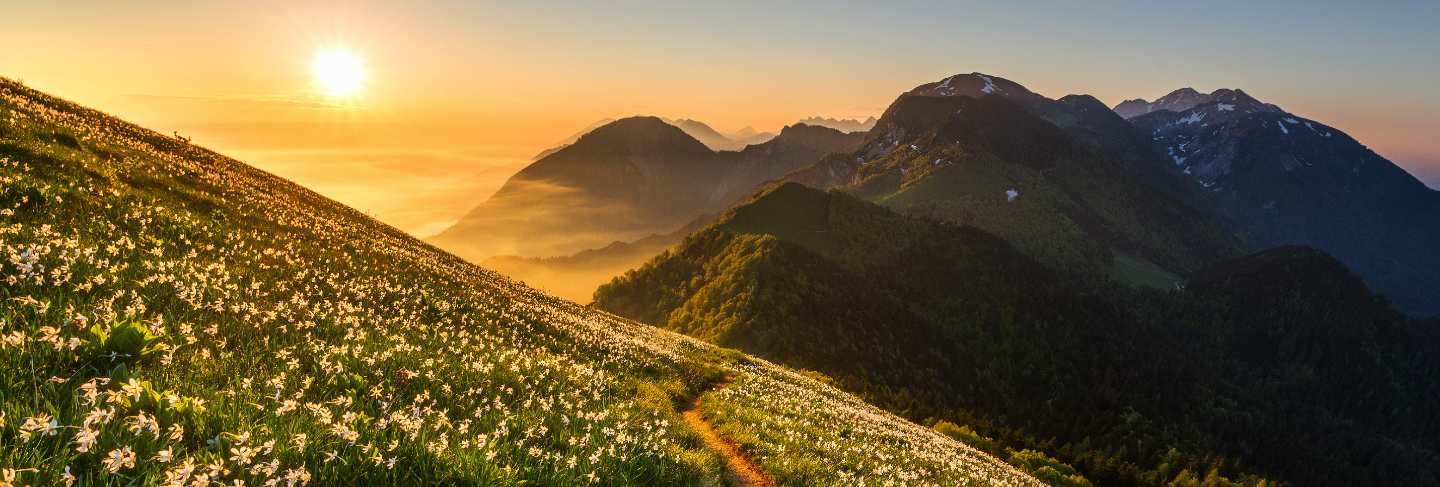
1275	367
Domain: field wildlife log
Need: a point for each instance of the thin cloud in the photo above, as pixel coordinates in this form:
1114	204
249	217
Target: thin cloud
271	100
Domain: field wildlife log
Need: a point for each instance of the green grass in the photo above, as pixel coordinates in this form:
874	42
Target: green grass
971	191
182	317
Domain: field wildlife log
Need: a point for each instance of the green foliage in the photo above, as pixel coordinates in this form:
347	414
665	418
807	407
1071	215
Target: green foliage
1048	470
967	436
1077	203
124	341
1130	386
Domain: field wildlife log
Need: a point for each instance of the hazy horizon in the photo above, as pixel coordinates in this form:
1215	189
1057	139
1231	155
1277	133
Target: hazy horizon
457	97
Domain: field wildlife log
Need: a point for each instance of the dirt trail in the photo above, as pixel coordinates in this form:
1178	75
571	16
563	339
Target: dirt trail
740	471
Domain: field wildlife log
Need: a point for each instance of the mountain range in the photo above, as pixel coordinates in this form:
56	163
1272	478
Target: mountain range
1060	179
1186	98
718	141
1276	178
1184	181
1057	277
841	124
623	181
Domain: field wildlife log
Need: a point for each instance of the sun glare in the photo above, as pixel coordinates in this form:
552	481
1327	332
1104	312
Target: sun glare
338	72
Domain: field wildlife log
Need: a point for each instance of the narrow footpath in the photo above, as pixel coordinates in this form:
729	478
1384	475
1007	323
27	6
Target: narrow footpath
740	470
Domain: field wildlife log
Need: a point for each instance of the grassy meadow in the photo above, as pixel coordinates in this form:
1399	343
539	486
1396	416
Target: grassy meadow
169	316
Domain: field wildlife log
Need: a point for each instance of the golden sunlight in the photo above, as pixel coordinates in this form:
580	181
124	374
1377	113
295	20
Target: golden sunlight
338	72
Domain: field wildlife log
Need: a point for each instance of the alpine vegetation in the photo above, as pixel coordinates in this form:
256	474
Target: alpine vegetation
171	316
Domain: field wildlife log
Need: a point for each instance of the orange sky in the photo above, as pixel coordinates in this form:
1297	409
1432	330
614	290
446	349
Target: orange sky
459	96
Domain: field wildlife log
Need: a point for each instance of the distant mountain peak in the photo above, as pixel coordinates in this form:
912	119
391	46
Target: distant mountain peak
1279	178
801	127
1083	102
974	85
635	122
709	136
746	131
625	180
749	136
841	124
696	129
1187	98
638	131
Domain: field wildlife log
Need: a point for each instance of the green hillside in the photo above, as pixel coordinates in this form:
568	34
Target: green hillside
1040	173
1131	386
930	320
173	316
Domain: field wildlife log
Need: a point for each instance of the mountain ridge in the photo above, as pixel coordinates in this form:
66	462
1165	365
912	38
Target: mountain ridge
1277	178
953	150
1186	98
626	180
841	124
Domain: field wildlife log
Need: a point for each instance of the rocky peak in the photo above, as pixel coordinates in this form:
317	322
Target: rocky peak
1187	98
975	85
641	134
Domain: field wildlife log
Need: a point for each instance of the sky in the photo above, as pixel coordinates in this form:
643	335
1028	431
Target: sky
457	96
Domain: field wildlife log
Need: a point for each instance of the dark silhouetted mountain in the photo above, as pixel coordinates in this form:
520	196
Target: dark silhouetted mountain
697	129
1066	181
1246	370
841	124
1276	178
624	181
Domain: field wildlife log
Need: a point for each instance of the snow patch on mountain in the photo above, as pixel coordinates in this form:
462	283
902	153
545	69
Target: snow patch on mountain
1193	117
989	87
1185	99
945	88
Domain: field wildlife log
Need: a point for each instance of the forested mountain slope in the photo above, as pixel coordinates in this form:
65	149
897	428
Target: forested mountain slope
1244	373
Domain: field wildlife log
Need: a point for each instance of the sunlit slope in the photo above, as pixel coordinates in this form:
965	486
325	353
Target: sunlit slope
171	315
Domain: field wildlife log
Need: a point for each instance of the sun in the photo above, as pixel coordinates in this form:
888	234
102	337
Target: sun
338	72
